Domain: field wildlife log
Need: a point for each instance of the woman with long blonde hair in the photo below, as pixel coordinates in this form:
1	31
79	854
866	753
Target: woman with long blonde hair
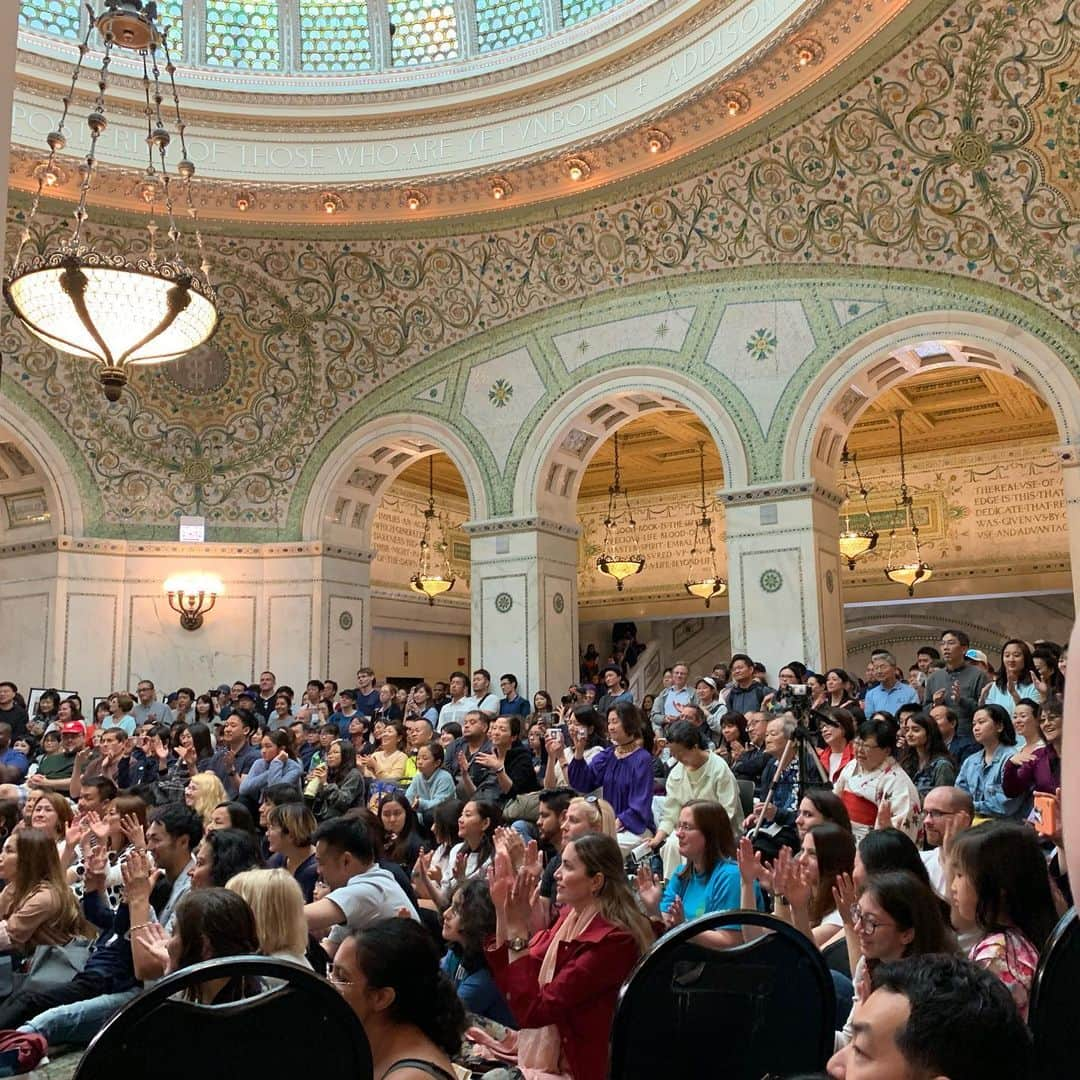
36	906
277	903
589	814
203	792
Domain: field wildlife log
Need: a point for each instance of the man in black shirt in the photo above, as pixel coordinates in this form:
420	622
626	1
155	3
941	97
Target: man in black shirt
11	712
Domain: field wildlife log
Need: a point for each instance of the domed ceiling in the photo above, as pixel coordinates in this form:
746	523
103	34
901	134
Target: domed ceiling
414	109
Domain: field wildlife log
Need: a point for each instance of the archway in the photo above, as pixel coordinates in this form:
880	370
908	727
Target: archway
990	421
553	461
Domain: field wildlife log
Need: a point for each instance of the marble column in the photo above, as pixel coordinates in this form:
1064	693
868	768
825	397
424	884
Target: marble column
524	601
784	574
1069	456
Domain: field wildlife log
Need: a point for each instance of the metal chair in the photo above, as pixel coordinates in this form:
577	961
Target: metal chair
835	955
764	1007
746	795
282	1031
1052	1010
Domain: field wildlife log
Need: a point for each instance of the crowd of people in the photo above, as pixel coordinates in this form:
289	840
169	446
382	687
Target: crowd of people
478	872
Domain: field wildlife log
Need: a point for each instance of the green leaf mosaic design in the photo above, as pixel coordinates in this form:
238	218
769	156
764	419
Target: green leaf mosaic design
502	23
425	32
60	17
243	34
334	37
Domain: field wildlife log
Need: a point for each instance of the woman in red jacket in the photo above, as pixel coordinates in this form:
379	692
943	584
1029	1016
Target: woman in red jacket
562	984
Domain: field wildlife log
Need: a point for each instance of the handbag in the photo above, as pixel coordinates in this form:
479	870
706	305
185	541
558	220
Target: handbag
58	964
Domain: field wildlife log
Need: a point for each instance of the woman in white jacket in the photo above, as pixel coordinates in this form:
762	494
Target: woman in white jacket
698	775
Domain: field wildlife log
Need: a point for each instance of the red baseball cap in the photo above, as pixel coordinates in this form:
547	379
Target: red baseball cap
72	727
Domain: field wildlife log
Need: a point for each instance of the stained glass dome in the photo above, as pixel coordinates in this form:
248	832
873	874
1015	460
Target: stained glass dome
311	37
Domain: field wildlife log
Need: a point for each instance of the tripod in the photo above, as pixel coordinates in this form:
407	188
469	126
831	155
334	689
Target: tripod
799	748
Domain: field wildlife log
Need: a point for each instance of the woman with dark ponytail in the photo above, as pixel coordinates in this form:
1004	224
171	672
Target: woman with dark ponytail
389	974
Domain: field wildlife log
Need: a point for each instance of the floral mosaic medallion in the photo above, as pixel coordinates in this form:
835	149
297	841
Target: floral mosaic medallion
345	620
500	393
762	344
771	580
503	603
558	603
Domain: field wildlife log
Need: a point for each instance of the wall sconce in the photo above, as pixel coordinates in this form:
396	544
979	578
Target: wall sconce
243	200
657	140
191	596
808	51
500	188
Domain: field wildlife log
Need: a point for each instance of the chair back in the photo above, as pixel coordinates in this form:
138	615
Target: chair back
1052	1012
764	1007
835	955
746	796
278	1032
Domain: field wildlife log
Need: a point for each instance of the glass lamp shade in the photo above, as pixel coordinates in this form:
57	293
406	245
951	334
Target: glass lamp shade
113	310
192	595
854	544
909	575
620	568
431	585
707	588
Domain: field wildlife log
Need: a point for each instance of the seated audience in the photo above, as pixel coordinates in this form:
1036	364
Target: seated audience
204	791
290	829
467	924
389	973
623	771
277	904
403	836
838	733
361	891
698	776
1037	765
925	758
818	806
277	764
981	774
232	815
875	776
561	984
432	784
1001	884
934	1016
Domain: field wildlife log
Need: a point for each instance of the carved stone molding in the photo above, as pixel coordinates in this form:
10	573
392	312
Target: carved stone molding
765	493
505	526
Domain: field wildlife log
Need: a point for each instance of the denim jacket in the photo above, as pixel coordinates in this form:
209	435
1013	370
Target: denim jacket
983	783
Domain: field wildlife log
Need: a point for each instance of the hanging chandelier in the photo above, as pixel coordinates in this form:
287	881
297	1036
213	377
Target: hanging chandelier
710	583
613	560
854	543
434	575
907	573
118	310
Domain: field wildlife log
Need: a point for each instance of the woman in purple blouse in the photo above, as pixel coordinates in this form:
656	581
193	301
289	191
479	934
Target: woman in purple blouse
1037	767
623	771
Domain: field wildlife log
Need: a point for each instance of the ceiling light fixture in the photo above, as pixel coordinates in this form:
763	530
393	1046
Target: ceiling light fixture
117	310
500	188
808	51
657	140
332	202
737	102
613	560
854	543
710	583
244	201
577	168
908	573
434	575
414	199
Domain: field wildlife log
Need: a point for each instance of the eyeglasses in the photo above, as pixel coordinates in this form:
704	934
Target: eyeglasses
939	813
683	827
335	979
868	923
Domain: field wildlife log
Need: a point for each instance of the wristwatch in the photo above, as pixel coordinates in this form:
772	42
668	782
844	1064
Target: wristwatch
518	944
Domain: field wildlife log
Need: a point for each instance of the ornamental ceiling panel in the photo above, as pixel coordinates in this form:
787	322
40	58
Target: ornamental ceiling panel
942	177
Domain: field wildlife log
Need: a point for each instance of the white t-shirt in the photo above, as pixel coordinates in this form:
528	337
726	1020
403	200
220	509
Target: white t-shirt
932	861
365	898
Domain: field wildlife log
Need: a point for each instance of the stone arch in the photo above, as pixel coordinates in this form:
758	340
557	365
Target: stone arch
355	475
51	471
832	403
559	448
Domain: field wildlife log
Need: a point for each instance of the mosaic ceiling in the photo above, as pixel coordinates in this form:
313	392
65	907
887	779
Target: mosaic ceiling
942	176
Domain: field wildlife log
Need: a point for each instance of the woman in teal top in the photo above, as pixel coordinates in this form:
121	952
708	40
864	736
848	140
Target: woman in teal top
708	879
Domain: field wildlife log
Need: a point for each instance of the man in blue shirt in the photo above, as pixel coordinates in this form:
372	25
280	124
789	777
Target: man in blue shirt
890	692
512	704
12	758
367	693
